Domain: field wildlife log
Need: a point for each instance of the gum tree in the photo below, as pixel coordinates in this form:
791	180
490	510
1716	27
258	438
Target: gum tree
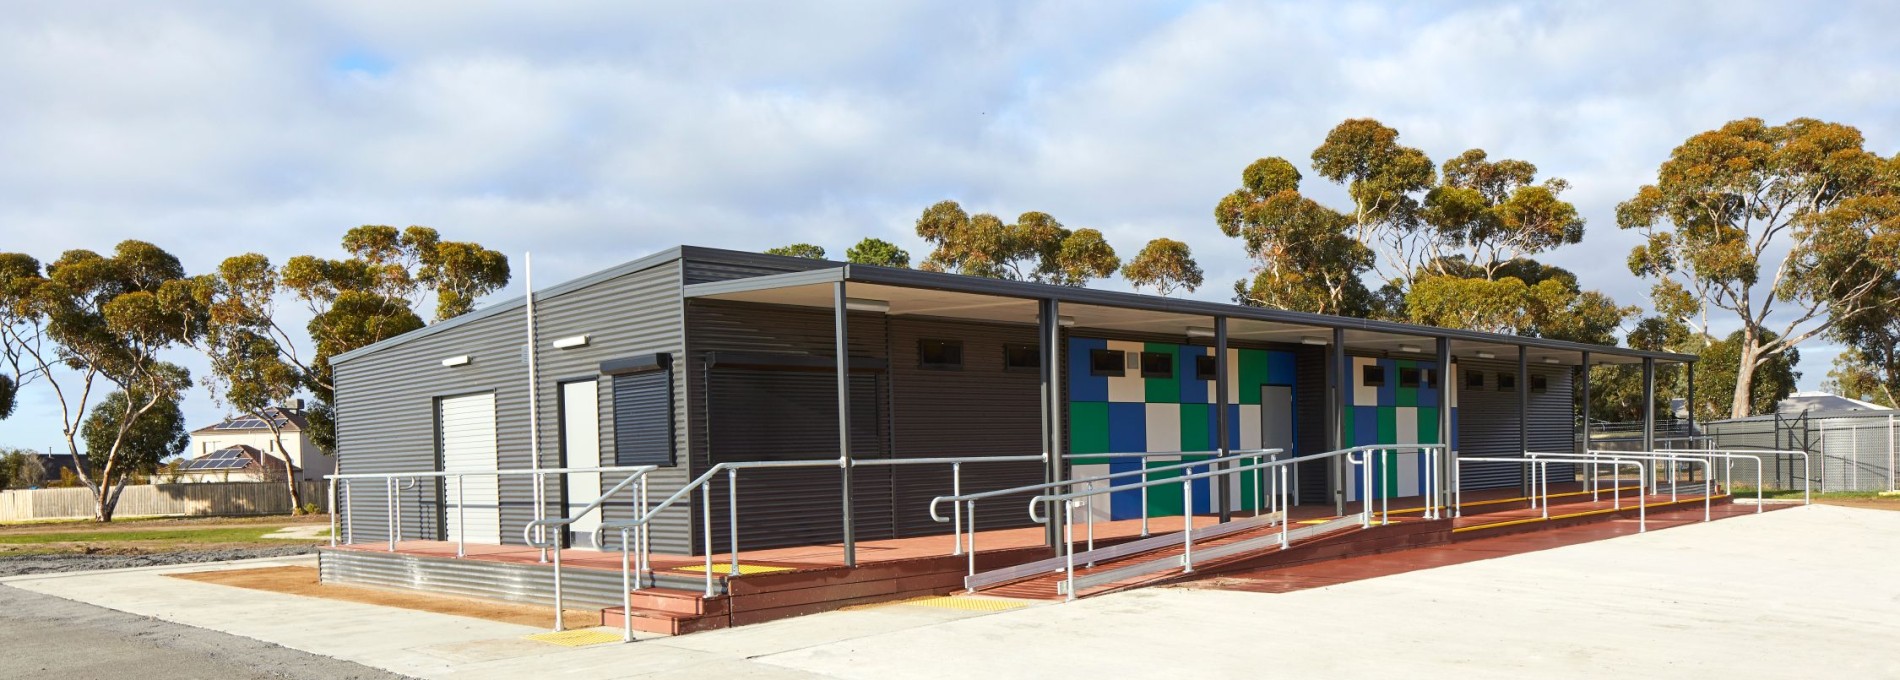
1164	264
1034	248
1304	260
879	252
1784	230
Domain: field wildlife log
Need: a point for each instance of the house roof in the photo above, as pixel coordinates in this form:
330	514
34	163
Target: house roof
289	420
240	457
808	273
1824	402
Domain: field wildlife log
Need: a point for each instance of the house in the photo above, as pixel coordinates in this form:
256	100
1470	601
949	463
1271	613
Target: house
712	377
1823	402
242	448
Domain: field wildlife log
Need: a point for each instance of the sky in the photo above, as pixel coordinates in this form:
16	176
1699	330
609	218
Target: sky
591	133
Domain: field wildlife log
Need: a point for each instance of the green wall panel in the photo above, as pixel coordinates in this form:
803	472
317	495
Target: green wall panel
1164	390
1088	430
1194	428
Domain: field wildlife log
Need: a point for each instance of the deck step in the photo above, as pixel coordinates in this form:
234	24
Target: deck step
676	601
665	623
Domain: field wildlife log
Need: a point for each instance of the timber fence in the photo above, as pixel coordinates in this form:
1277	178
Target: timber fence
208	499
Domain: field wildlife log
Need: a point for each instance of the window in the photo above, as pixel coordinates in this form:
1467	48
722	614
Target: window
1021	357
643	409
940	354
1206	367
1372	376
1431	377
1474	380
1539	383
1157	365
1408	377
1507	382
1108	362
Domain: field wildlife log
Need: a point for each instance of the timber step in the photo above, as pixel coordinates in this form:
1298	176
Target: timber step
665	623
678	602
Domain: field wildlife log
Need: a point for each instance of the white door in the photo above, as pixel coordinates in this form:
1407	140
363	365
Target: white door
580	448
467	428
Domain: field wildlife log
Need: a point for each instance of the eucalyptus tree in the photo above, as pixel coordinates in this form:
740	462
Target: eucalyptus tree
1034	248
1784	230
88	321
879	252
1164	264
804	250
1304	259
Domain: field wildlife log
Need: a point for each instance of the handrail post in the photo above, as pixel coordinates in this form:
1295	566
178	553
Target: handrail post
1068	550
560	620
461	515
705	497
1144	495
970	553
333	511
349	516
732	516
1187	533
626	589
644	559
389	507
1287	517
956	511
1091	513
1642	503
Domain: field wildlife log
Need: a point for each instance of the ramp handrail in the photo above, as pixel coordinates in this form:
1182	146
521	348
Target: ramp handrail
1642	502
1277	477
1708	469
342	484
636	560
1807	478
1686	454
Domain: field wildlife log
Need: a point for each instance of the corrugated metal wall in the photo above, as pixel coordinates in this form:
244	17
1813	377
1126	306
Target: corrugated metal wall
386	398
751	413
1313	401
1488	421
981	410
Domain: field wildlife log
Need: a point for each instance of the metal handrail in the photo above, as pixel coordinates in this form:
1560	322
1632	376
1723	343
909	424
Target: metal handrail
1807	481
1642	501
342	483
1065	500
639	561
1708	489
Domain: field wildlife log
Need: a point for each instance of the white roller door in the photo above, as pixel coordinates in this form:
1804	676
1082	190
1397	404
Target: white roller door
580	448
466	426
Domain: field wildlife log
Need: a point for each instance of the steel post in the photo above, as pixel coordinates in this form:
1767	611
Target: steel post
842	354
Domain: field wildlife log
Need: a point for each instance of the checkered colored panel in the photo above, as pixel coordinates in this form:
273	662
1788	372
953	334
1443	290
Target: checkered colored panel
1116	407
1393	402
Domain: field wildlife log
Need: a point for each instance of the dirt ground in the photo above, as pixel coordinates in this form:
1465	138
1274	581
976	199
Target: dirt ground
303	581
1892	503
158	524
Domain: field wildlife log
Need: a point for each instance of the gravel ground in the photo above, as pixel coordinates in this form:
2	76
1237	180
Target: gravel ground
47	564
49	637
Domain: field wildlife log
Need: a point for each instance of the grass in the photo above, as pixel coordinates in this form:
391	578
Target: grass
215	535
1746	492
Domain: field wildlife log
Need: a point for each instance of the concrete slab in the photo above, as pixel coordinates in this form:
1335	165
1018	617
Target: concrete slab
1790	593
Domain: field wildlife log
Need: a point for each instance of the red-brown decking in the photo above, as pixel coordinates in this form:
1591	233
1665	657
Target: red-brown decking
1496	522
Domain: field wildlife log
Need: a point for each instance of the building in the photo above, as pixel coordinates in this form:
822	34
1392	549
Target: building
696	358
242	449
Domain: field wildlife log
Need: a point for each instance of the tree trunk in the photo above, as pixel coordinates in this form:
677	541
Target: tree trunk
290	476
1741	404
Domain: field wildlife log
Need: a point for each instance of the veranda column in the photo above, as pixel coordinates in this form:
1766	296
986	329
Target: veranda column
1444	417
1049	341
1583	438
1220	414
1342	373
1524	410
1649	404
843	353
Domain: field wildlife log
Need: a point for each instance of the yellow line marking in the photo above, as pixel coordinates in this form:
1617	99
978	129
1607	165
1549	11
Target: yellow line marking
970	604
1577	514
744	569
1497	501
577	638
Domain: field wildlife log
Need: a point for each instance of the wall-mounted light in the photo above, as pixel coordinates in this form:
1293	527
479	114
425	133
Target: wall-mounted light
456	361
867	305
1199	332
1065	320
1551	360
571	342
1317	342
1409	349
1487	355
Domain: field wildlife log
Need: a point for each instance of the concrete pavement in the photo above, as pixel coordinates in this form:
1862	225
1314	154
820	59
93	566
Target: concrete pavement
1796	593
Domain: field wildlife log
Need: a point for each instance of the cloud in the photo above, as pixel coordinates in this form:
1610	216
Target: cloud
595	132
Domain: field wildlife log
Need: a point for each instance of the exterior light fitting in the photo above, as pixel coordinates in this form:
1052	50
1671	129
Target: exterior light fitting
867	305
571	342
1316	342
452	362
1199	332
1409	349
1487	355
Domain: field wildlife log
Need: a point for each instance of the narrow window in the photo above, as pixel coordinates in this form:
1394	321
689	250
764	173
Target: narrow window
1106	362
1157	365
940	354
1474	380
1021	357
1408	377
1372	376
1206	367
1539	383
1431	378
1507	382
